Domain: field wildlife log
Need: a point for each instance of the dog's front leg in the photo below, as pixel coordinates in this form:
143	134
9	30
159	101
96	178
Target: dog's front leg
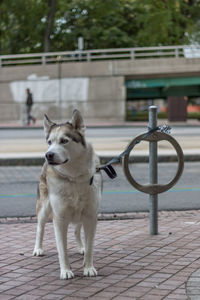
89	230
60	227
81	247
42	216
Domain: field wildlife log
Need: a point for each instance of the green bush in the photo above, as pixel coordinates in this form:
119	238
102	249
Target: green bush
193	115
143	116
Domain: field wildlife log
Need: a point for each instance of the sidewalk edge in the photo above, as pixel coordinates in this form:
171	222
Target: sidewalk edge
110	216
38	161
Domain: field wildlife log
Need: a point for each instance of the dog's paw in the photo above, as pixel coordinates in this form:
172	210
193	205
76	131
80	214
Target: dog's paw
90	271
66	274
38	252
81	250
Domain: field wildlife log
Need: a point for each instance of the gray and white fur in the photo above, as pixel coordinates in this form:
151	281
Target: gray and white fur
69	189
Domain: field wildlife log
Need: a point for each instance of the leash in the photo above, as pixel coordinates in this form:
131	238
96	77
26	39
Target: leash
110	171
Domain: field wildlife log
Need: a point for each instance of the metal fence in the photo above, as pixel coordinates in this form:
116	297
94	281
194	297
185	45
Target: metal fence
101	54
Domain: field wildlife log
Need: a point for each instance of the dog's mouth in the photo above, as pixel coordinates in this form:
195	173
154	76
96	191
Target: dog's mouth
56	163
50	157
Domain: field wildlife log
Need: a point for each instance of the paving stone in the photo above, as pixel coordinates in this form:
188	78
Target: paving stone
131	263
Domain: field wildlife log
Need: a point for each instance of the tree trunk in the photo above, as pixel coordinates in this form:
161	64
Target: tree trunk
50	23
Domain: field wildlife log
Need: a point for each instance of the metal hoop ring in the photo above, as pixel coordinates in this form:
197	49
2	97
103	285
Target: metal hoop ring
155	188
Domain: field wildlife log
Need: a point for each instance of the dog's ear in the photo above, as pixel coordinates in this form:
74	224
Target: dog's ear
47	125
77	121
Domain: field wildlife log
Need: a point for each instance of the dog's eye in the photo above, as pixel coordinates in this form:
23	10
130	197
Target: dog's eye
49	142
64	141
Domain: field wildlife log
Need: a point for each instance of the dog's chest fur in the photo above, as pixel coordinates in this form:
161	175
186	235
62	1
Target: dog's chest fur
70	200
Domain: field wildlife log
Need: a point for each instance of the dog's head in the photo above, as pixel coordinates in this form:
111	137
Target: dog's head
66	141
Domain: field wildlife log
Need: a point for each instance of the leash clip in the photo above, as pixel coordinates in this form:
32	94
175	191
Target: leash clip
110	171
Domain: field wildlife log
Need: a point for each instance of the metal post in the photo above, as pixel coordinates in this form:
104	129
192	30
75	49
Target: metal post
132	54
80	46
59	58
153	173
43	59
176	53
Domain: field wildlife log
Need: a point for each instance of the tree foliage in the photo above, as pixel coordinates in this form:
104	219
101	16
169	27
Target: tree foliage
21	26
55	25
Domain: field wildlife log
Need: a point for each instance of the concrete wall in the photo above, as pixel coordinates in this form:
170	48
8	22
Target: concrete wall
89	87
96	88
152	68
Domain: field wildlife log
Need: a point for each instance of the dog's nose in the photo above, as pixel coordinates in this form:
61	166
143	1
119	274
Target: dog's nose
49	156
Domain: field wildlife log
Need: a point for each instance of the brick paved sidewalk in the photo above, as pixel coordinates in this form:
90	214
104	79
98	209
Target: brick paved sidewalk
131	263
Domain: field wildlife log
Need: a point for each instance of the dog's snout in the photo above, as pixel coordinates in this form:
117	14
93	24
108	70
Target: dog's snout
50	156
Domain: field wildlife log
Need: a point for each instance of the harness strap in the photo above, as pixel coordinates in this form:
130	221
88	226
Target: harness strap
91	180
110	171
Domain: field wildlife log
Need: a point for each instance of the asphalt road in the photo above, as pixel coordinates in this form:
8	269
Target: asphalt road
107	141
18	187
126	131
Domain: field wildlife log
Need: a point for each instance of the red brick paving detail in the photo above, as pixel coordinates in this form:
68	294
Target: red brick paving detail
131	263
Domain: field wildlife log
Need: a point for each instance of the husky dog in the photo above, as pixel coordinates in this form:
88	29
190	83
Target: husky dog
70	188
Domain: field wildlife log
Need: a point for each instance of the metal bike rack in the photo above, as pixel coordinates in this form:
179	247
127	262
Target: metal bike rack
153	188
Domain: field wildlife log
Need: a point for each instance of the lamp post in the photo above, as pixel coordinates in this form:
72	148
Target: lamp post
80	46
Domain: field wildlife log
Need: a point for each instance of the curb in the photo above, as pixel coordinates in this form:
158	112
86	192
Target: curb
28	161
101	217
38	161
127	124
110	216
